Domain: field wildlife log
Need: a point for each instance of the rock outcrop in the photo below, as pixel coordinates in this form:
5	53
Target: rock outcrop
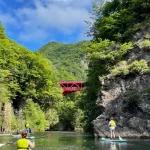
128	100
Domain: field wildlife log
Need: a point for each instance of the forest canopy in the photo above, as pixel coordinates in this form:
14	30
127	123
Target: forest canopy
26	75
117	20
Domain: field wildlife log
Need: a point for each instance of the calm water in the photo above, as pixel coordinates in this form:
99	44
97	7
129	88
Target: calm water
77	141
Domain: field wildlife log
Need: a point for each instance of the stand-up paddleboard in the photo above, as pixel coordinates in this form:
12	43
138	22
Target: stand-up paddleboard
2	144
38	137
31	137
16	135
5	134
113	140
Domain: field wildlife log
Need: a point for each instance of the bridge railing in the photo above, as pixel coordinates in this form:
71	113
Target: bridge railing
71	86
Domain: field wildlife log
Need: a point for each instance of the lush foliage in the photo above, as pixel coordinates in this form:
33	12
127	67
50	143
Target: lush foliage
118	19
30	75
2	34
25	75
135	68
144	44
35	116
69	63
52	117
29	82
68	59
5	93
70	113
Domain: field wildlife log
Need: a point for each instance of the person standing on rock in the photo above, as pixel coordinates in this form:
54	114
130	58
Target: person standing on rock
112	126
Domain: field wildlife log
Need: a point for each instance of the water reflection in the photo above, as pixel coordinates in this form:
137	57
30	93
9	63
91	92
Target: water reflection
107	145
113	146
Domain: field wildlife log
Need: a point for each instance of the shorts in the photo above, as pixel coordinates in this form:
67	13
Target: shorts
112	128
27	130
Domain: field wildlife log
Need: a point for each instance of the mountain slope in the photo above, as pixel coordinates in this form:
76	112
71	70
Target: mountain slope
68	59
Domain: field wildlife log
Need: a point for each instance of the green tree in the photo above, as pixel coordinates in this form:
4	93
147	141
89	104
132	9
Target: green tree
26	75
119	19
35	116
5	93
2	33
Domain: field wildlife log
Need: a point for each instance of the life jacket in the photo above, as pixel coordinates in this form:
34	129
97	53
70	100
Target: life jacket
27	125
112	123
22	144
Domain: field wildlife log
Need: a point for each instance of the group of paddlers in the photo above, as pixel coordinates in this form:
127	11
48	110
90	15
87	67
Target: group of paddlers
25	144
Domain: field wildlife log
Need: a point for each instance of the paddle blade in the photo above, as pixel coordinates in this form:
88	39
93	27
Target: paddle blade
2	145
120	138
5	143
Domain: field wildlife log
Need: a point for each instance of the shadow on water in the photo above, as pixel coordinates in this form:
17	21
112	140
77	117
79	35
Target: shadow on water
76	141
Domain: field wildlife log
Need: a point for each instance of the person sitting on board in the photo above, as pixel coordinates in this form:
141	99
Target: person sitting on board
112	126
27	126
23	143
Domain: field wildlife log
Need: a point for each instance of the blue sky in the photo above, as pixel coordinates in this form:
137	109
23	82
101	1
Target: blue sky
33	23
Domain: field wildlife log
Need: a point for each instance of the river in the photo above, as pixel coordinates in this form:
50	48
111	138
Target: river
76	141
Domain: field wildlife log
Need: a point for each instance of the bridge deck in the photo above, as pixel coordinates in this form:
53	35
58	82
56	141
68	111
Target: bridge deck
71	86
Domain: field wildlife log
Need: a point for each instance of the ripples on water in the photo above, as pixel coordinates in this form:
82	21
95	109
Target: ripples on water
77	141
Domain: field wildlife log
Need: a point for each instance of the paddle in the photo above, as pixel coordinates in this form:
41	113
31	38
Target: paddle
39	137
102	131
6	144
120	137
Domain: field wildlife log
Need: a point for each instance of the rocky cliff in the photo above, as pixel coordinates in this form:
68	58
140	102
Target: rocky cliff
127	98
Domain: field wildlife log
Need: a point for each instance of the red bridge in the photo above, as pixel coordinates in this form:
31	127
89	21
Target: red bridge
71	86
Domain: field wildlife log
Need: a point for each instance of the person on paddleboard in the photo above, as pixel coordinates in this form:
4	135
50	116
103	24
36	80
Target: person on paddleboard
27	126
112	126
23	143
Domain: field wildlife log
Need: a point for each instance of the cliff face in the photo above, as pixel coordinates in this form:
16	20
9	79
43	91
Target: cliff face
129	101
127	98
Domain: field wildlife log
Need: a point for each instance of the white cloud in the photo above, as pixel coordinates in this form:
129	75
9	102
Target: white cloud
54	16
7	19
38	20
33	35
65	16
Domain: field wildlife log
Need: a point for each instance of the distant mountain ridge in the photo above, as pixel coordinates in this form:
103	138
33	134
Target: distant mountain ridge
67	59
